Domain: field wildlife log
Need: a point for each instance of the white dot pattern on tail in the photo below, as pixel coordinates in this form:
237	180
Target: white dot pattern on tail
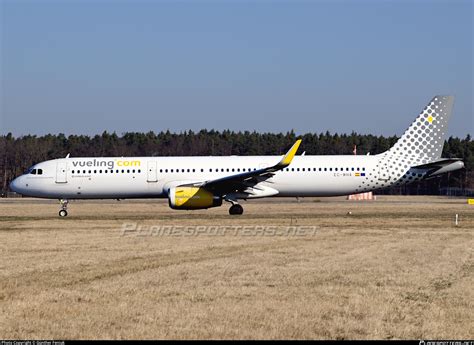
421	143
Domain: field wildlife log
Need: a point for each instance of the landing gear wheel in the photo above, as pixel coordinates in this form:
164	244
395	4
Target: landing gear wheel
236	209
63	210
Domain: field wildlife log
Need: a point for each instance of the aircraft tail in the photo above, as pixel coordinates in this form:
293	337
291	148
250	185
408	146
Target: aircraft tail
423	141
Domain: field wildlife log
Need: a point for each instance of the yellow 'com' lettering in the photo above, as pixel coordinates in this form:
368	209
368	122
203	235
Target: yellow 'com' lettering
128	163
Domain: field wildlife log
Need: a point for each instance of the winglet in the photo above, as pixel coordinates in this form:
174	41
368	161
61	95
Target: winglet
286	160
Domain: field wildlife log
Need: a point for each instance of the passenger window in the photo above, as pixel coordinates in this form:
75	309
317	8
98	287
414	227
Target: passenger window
128	171
123	171
95	171
352	169
202	170
325	169
194	170
335	169
72	171
363	169
303	169
83	171
330	169
90	171
357	169
133	171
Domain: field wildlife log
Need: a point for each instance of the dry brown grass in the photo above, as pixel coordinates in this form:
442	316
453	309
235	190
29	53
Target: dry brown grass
396	268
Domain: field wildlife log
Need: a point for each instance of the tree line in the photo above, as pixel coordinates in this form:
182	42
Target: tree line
19	153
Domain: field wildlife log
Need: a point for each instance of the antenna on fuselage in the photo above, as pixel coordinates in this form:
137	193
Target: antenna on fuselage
68	155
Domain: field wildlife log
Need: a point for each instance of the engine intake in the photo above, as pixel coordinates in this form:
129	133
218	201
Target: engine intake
192	198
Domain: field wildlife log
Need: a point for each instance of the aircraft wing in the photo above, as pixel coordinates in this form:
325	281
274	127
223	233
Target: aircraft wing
242	181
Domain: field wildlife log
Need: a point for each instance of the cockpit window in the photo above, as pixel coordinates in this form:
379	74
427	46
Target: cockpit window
35	171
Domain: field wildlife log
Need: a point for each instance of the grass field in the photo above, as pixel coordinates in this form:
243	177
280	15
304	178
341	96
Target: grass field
395	268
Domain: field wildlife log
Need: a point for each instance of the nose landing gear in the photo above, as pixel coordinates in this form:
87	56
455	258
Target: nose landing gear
63	210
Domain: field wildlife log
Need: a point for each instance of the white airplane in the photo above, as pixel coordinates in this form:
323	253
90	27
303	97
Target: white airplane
192	183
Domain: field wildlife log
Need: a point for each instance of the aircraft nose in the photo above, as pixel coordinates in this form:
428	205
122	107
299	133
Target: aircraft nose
15	185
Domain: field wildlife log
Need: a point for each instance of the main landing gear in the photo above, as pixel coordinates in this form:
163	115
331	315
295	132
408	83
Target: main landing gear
63	210
236	209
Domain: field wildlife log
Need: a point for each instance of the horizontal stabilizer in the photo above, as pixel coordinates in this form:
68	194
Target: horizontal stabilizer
440	163
441	166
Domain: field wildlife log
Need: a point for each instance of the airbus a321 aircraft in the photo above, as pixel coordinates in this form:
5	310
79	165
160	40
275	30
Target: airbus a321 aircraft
192	183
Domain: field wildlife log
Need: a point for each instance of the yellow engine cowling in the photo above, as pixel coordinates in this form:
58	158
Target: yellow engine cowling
192	198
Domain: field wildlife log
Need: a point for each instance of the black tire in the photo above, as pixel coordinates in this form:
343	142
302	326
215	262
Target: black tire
236	209
62	213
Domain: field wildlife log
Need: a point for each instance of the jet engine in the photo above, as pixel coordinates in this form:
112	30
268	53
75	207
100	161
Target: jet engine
192	198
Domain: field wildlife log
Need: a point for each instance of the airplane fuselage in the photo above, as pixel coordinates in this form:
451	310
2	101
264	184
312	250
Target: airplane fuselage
149	177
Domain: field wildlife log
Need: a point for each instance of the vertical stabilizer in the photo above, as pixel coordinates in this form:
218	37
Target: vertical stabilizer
423	141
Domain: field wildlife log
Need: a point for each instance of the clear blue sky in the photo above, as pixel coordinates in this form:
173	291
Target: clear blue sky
370	66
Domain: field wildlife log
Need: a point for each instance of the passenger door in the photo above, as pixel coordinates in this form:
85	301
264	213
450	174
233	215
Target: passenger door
61	172
151	172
